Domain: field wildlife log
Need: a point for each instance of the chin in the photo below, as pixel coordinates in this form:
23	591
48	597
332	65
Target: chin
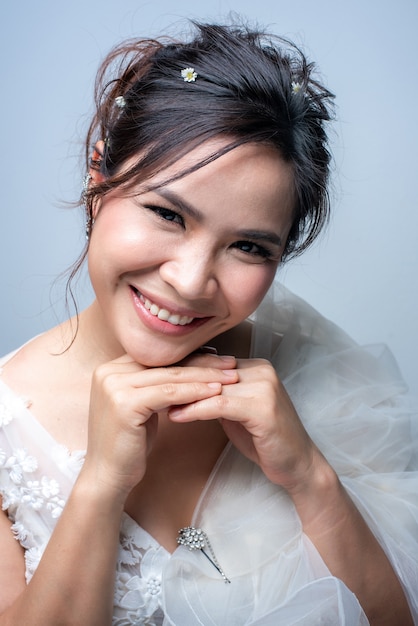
158	358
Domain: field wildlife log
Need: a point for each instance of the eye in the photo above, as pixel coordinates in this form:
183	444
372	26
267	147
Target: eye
168	215
253	249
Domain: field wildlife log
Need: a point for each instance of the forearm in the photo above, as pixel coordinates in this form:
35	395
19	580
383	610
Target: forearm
74	582
350	550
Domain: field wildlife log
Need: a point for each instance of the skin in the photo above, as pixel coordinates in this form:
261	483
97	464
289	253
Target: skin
190	263
155	414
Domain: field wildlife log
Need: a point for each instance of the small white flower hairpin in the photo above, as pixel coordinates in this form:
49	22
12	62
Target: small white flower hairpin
188	75
296	87
120	102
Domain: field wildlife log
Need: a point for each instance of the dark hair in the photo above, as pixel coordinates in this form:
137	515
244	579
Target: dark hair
250	87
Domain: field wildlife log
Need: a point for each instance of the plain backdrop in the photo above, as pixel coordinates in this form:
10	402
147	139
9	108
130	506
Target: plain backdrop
362	273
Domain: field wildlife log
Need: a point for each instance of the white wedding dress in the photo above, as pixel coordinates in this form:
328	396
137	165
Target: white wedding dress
352	402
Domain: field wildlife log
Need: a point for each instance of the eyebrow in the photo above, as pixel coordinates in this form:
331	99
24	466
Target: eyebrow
180	203
186	207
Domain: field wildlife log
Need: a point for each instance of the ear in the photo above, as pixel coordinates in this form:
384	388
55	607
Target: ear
95	177
96	161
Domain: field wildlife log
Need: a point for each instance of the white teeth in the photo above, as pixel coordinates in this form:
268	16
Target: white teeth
166	316
163	314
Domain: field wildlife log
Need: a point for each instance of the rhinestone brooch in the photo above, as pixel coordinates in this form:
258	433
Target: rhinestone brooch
196	539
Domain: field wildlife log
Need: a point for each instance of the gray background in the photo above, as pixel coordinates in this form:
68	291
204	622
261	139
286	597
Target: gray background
362	273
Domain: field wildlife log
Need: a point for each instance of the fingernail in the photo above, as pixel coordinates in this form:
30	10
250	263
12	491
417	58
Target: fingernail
227	357
231	373
214	385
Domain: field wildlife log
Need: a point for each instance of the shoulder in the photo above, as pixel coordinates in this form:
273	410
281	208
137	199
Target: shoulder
34	361
54	384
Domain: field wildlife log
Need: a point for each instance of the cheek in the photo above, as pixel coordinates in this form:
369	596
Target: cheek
248	289
116	247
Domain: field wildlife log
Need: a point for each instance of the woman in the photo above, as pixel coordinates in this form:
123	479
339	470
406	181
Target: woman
208	493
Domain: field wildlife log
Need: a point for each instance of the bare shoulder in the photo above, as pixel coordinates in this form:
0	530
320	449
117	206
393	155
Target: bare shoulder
34	359
47	375
12	565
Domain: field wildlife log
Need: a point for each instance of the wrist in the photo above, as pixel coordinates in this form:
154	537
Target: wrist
320	500
105	497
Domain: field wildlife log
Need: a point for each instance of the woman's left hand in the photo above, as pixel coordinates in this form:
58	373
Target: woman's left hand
261	421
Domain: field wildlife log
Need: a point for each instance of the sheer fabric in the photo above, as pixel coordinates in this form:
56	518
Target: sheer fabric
354	405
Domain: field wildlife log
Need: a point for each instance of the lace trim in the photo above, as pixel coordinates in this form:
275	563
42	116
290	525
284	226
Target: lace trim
24	493
140	565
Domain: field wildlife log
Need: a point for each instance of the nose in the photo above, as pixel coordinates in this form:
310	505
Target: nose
191	271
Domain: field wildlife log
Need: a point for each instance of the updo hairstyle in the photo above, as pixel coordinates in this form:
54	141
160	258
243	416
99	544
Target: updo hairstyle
250	87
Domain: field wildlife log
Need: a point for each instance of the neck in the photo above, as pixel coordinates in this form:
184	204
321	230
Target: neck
82	339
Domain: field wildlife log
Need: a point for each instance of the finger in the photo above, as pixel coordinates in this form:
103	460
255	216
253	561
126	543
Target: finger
125	377
122	365
156	398
183	374
215	407
210	360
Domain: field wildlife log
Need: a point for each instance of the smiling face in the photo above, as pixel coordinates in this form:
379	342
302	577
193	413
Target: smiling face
178	265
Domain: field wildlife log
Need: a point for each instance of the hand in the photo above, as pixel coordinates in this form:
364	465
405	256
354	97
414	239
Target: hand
261	421
125	401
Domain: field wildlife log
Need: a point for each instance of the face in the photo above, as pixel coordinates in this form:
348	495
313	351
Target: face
176	266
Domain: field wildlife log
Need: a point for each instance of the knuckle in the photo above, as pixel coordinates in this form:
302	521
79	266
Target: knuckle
267	371
100	373
265	365
214	372
106	377
169	390
176	371
221	403
119	399
199	389
108	384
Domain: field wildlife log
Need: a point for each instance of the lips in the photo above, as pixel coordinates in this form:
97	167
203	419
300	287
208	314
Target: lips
163	314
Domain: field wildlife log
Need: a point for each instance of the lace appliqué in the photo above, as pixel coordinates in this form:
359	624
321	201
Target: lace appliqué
21	490
9	407
34	501
65	459
138	578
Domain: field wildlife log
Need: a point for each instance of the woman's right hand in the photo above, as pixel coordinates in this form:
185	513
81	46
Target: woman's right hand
124	403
